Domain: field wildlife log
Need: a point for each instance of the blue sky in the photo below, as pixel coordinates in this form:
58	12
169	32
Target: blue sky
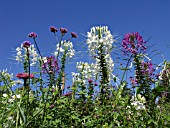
20	17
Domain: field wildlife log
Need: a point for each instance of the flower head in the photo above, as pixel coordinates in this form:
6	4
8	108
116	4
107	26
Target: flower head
53	29
52	106
32	35
67	94
26	44
66	46
24	76
22	51
50	65
63	30
133	43
90	81
74	35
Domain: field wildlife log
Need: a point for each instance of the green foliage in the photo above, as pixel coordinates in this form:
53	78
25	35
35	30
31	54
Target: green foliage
45	106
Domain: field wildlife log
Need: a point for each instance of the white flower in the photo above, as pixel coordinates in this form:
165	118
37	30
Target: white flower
5	95
5	74
19	82
10	118
66	46
16	96
21	54
138	102
100	41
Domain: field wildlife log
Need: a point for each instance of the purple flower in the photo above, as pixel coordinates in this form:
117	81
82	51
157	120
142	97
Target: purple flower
32	35
133	81
51	65
52	106
63	30
133	43
74	35
90	81
26	44
95	84
67	94
53	29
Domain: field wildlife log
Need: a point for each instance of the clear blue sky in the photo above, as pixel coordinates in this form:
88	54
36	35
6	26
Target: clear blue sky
20	17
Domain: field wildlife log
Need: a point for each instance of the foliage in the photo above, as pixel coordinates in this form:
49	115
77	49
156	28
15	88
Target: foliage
97	97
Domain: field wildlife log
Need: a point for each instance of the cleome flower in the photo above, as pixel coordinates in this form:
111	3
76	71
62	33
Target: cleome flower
133	43
66	46
5	74
21	53
100	41
97	37
138	102
50	65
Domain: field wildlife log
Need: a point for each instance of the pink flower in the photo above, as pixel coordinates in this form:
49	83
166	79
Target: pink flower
67	94
24	76
74	35
90	81
63	30
53	29
95	84
26	44
52	106
32	35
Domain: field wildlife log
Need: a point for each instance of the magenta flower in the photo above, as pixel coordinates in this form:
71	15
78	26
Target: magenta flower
133	81
51	65
74	35
26	44
133	43
53	29
52	106
24	76
67	94
90	81
32	35
95	84
147	68
63	30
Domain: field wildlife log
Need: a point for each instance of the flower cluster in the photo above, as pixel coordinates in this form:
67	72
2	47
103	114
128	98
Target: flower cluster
24	76
147	68
53	29
100	41
13	97
32	35
5	74
66	46
26	44
99	37
21	53
133	43
74	35
165	73
138	102
63	30
50	65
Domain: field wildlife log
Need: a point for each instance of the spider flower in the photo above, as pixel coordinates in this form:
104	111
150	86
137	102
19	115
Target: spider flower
50	65
133	43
